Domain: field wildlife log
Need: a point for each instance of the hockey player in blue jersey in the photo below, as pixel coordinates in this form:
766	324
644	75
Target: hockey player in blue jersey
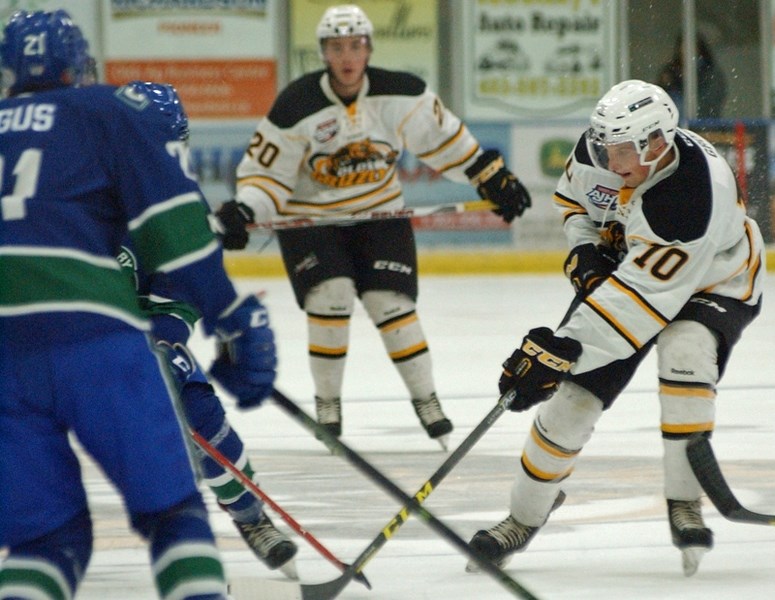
173	323
80	169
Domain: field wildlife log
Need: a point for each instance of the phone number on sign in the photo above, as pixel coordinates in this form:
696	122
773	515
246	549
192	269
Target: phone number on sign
541	86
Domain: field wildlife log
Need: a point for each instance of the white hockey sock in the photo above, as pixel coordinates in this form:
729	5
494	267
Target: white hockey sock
562	426
395	316
688	371
328	307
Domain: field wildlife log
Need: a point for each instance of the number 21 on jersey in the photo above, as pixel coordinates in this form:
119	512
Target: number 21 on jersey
25	172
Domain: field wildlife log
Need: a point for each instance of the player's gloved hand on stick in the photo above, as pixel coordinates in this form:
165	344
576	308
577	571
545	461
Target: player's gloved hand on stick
234	218
536	368
246	364
181	362
587	266
494	182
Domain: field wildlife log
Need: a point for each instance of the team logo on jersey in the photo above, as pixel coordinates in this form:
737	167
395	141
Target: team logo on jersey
603	197
357	163
326	131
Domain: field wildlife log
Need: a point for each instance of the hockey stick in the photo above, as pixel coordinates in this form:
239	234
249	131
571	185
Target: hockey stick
708	473
411	504
389	530
295	221
218	456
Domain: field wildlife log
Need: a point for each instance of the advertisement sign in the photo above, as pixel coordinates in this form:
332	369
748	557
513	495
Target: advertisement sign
529	59
219	54
405	36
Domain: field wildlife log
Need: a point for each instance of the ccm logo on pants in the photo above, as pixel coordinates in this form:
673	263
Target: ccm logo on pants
389	265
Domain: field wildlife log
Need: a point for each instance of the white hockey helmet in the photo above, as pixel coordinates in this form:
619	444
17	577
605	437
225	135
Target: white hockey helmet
632	111
344	20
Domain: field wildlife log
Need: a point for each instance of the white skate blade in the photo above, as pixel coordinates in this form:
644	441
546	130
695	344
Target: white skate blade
690	559
254	588
444	441
289	570
473	567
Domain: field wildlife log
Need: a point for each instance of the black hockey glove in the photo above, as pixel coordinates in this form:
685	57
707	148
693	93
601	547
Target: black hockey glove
587	266
494	182
234	217
536	369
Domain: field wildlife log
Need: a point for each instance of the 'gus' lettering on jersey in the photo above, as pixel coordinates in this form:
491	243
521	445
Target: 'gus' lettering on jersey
603	197
34	117
357	163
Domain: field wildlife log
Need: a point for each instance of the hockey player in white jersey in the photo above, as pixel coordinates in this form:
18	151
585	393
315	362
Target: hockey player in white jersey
330	145
662	252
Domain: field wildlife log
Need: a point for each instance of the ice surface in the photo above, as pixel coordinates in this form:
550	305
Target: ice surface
609	540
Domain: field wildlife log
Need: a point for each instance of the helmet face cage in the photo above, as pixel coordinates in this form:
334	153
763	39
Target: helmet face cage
42	50
166	100
345	20
633	112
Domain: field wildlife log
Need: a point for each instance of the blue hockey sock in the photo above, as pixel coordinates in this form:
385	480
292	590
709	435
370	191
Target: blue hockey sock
50	566
186	563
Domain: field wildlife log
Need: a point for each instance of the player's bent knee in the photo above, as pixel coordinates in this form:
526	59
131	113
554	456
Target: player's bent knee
687	351
380	304
331	297
185	520
568	418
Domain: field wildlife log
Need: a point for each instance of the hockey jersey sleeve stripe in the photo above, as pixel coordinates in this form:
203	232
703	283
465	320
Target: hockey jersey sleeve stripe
754	263
174	238
163	206
257	182
190	258
631	339
260	181
569	207
462	161
443	146
635	299
661	320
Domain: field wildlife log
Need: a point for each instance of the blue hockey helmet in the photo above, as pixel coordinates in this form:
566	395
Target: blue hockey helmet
41	50
166	100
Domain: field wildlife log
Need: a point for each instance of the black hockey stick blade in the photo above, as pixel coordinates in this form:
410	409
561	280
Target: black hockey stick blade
411	504
708	472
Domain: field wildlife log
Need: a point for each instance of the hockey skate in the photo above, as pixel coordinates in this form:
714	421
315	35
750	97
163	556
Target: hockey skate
329	412
271	546
433	420
689	533
501	542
